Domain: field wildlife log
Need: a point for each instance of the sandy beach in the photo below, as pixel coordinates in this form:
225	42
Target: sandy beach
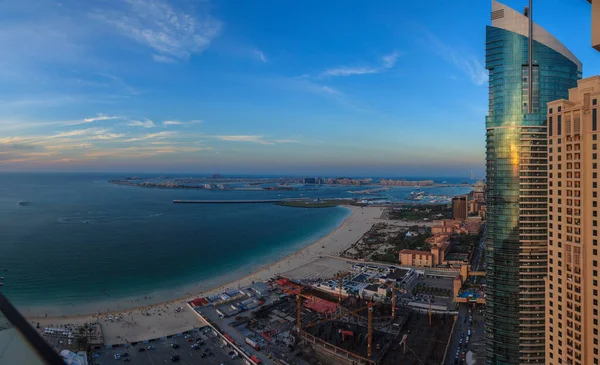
153	320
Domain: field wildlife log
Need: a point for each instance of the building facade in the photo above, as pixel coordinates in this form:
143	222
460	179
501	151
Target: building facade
595	23
460	207
416	258
516	191
572	284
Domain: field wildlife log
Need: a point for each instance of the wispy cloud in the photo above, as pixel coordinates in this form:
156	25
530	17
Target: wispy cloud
349	71
145	124
141	152
243	138
304	84
386	62
257	139
97	118
389	61
163	59
261	56
150	136
285	141
463	58
108	136
177	122
170	33
76	132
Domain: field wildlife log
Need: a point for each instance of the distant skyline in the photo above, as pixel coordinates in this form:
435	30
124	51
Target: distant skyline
263	87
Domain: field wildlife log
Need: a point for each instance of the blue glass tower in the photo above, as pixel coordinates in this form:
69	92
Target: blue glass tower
516	195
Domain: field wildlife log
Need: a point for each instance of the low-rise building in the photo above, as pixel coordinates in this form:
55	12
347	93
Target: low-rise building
370	290
416	258
447	226
438	240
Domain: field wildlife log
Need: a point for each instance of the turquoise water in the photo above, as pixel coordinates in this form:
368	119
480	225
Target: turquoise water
81	239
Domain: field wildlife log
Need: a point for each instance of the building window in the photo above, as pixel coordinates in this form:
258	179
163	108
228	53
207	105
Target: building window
550	128
594	124
594	102
559	109
559	126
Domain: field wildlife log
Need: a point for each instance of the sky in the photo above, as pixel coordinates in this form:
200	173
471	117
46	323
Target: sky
337	87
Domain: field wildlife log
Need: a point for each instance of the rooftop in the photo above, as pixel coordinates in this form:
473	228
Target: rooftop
415	252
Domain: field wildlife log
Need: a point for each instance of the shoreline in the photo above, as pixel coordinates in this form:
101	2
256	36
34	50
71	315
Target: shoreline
136	318
211	290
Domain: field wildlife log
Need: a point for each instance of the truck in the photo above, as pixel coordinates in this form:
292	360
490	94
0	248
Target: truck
253	344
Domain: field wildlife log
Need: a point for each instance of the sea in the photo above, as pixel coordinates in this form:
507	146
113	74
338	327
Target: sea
68	241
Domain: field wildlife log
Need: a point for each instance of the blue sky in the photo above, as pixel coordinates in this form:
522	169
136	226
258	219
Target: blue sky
394	88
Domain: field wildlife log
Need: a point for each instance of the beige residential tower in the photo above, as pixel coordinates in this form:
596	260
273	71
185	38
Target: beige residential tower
572	284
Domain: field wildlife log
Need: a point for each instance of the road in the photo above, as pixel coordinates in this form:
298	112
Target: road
469	318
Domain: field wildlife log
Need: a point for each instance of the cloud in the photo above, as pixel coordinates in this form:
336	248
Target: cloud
97	118
349	71
258	139
150	136
146	124
163	59
464	59
389	61
142	152
177	122
285	141
61	147
107	136
386	62
261	56
73	133
243	138
302	84
170	33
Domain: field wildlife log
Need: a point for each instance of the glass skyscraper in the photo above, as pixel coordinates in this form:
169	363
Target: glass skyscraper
516	195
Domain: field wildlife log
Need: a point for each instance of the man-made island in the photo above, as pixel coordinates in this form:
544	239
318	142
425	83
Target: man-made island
217	182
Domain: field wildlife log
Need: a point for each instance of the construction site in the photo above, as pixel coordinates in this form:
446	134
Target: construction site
338	329
358	314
